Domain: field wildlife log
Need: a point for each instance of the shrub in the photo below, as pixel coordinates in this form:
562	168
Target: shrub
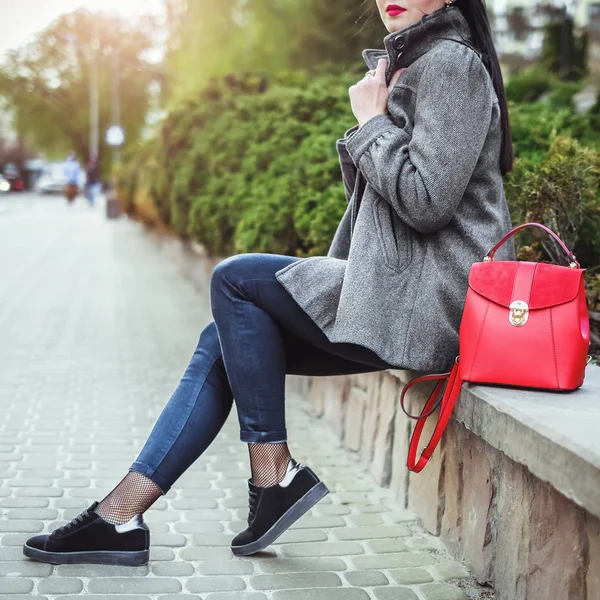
529	84
250	164
560	191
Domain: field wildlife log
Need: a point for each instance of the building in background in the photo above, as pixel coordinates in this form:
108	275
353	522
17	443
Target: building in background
518	27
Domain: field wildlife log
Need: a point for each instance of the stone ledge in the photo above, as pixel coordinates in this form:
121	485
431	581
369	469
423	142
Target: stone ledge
555	435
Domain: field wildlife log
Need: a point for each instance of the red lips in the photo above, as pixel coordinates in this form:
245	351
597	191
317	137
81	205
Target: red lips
394	10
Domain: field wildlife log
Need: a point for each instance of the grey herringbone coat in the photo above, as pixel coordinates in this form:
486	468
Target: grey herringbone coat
425	201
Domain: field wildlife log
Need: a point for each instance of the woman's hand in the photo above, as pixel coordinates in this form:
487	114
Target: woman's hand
370	95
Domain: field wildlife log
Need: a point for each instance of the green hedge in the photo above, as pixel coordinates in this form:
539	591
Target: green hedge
250	165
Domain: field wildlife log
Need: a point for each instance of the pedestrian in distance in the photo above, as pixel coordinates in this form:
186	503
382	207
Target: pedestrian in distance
423	173
93	185
71	172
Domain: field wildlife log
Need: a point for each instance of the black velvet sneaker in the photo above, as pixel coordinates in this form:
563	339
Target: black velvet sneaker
88	538
274	509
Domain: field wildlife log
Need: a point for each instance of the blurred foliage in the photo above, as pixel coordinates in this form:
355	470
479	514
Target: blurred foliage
46	82
249	164
561	191
268	183
211	39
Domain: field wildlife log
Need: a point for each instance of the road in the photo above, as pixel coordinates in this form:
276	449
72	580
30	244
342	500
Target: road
96	327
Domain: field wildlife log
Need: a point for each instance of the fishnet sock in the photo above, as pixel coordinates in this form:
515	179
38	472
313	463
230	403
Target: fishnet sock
135	494
269	463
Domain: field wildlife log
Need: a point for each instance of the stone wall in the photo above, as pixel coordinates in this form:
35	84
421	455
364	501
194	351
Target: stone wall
515	532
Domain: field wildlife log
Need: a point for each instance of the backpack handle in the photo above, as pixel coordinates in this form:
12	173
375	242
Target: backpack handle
573	263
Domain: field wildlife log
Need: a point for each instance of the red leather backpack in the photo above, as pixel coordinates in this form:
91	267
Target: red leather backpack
524	324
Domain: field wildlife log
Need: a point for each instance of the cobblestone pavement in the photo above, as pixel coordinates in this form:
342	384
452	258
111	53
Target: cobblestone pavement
96	327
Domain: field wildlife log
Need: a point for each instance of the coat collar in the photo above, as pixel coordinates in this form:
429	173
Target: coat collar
404	46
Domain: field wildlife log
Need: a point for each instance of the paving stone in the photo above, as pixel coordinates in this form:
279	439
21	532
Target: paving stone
60	585
295	580
21	526
391	561
179	597
235	527
102	597
173	540
365	578
208	515
22	597
9	554
236	596
370	507
32	513
215	584
49	492
212	539
304	565
200	493
362	520
173	569
294	536
157	553
162	516
395	593
199	527
194	503
441	591
31	482
424	543
332	509
326	549
15	585
386	545
130	585
322	594
237	567
238	502
94	571
24	502
410	576
446	571
14	539
25	569
73	483
369	533
211	553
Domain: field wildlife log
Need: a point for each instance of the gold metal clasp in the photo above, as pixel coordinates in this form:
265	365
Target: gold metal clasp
519	313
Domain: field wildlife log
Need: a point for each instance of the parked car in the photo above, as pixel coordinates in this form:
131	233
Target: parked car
4	185
52	179
14	178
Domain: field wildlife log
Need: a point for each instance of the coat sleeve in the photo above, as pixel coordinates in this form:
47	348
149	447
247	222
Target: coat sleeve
424	175
347	164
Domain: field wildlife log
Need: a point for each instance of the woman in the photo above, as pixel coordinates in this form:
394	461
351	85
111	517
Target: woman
423	174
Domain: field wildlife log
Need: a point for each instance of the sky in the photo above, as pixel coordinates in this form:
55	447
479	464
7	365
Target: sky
20	19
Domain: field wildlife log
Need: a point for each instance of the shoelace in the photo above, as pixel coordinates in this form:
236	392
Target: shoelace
252	506
74	522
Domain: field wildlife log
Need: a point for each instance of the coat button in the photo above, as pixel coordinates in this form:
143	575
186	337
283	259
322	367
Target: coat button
400	42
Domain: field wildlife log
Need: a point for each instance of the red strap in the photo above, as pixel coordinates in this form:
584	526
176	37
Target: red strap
572	259
448	400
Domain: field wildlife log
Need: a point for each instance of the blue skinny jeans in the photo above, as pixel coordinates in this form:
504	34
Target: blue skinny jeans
258	335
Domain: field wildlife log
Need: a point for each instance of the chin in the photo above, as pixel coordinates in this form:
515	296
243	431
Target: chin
393	24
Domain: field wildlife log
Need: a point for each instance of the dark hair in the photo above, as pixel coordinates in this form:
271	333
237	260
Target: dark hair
475	13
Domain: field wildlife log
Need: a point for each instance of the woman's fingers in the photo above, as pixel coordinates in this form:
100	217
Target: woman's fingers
380	70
